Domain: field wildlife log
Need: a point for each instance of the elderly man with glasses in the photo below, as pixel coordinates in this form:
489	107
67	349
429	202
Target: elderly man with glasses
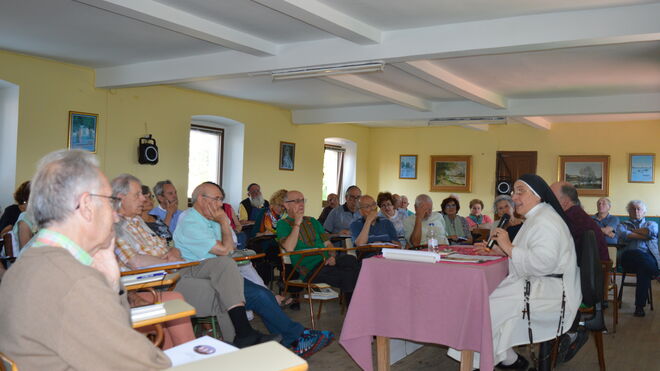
371	227
300	232
340	218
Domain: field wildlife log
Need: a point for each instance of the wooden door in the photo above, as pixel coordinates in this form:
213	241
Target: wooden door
511	165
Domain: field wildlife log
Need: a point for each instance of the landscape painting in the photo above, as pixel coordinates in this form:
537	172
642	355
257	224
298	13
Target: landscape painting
642	168
589	174
451	173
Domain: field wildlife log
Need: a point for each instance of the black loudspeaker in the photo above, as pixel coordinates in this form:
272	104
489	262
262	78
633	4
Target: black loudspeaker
148	151
503	186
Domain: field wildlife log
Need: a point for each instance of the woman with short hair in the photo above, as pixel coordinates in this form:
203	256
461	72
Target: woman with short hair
456	227
477	220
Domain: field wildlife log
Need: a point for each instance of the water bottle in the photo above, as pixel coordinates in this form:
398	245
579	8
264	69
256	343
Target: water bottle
432	239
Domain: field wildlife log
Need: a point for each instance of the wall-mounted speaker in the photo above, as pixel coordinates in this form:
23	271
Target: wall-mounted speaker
503	186
148	151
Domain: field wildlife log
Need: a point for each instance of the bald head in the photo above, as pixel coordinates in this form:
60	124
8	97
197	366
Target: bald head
367	205
566	194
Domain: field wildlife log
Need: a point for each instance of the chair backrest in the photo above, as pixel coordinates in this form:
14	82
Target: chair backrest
7	364
591	271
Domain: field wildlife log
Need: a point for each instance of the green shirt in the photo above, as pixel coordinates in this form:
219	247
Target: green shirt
311	236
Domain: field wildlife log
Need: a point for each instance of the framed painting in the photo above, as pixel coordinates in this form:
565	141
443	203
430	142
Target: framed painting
82	131
407	166
589	174
287	156
642	168
451	173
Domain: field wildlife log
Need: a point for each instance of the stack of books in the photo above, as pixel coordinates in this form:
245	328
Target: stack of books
147	312
323	292
143	278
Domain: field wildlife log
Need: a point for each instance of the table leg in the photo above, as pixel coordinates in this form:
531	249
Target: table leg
383	353
466	360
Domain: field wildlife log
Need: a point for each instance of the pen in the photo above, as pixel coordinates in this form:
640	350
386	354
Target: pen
150	275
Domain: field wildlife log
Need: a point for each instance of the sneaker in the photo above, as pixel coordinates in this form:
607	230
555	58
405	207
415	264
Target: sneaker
580	340
255	338
521	363
639	312
311	341
564	344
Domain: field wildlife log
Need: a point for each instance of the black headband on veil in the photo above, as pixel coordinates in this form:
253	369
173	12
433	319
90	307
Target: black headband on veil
543	190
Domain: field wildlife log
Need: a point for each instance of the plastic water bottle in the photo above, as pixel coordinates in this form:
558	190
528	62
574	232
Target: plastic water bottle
432	239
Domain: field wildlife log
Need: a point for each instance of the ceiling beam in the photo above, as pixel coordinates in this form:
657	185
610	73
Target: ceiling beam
438	76
535	122
176	20
327	19
569	29
381	91
610	104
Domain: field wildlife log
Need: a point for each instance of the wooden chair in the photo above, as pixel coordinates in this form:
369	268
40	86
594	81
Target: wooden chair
480	234
7	364
309	286
609	281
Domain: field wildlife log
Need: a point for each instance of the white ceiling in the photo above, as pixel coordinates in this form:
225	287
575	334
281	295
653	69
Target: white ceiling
535	62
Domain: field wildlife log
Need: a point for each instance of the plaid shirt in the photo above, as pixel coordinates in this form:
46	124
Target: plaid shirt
134	237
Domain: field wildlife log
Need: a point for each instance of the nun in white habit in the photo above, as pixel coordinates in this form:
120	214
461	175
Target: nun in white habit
543	254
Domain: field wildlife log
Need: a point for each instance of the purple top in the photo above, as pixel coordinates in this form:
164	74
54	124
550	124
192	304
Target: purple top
419	304
581	222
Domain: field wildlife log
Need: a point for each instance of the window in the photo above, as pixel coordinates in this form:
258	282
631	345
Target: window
205	156
333	170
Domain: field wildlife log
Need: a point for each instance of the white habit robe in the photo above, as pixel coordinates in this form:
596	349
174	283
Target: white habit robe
543	246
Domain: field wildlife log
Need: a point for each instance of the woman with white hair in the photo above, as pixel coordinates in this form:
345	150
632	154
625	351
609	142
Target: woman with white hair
640	255
503	204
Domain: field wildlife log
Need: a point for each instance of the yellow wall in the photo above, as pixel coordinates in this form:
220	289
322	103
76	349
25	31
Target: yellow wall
48	90
614	139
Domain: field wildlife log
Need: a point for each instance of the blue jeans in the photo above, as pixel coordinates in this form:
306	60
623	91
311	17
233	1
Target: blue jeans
643	264
261	301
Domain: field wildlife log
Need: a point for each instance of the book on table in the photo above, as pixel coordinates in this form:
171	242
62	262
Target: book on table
147	312
323	291
134	279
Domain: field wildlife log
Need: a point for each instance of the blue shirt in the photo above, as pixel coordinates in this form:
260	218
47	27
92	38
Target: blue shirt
340	218
196	235
651	245
608	221
382	231
161	213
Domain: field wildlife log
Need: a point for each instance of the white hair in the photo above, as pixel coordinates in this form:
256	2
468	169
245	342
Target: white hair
419	200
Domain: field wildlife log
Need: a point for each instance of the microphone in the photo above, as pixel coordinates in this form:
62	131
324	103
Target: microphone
503	220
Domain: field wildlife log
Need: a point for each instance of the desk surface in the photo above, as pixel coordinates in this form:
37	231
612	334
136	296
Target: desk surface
432	303
160	267
266	356
174	309
169	279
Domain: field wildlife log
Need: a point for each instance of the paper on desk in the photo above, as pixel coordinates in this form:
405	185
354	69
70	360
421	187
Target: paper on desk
411	255
195	350
164	264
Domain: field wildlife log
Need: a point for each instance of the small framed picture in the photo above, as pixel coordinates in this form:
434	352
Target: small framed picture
407	166
589	174
287	156
642	168
82	131
451	173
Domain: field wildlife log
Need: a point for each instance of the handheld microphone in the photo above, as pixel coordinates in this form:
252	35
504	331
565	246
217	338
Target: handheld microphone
503	220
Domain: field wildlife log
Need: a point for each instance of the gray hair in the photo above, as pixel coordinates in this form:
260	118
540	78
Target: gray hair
630	205
419	200
570	191
122	184
159	187
609	203
61	177
501	198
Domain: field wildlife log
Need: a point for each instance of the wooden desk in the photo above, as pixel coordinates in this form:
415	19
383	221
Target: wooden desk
167	280
161	268
269	356
174	309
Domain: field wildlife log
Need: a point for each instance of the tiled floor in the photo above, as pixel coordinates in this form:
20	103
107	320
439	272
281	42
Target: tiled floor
634	346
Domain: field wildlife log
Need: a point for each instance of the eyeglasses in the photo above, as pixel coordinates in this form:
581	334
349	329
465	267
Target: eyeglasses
368	206
217	199
114	201
353	197
450	206
148	195
298	201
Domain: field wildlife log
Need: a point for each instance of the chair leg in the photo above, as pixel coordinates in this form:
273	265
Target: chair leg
598	338
615	310
623	279
318	315
651	295
311	307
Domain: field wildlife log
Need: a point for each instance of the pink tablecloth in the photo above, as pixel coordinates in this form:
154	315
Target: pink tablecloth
431	303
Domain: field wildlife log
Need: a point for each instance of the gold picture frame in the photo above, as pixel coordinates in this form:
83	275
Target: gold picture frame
451	173
589	174
82	131
287	156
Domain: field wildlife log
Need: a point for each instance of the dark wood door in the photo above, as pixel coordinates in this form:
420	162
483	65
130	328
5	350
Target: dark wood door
511	165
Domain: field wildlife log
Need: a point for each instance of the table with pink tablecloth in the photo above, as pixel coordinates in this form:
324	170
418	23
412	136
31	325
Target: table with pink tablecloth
439	303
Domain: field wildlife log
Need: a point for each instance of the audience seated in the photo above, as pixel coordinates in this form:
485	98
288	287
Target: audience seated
265	224
371	227
23	230
137	246
640	254
332	201
476	219
606	221
456	227
204	233
168	204
404	206
252	204
11	213
157	225
503	204
339	220
66	310
578	220
416	226
396	216
300	232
